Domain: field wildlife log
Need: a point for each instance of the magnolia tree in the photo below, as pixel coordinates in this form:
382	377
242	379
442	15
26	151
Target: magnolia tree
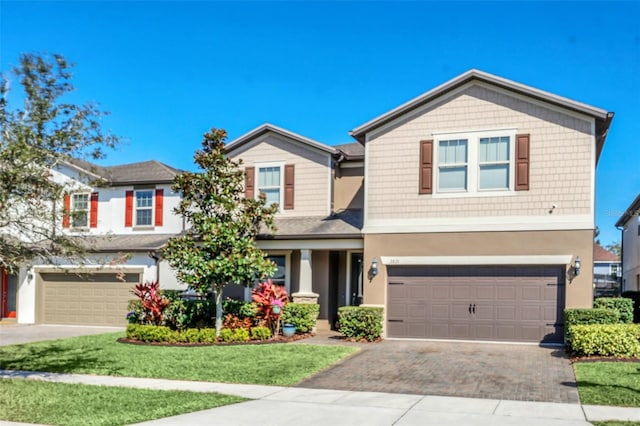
218	248
36	137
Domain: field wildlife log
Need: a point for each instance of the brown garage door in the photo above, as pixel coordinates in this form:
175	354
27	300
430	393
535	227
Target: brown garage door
84	299
476	303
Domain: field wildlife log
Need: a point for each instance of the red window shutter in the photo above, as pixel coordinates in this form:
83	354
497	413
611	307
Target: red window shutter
159	206
249	182
522	162
289	184
93	211
66	205
128	209
426	167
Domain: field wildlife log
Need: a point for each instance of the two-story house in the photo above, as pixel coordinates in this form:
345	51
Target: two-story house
125	215
478	211
629	223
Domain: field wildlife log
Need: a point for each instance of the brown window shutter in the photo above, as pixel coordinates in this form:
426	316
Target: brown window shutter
249	182
522	162
426	167
159	206
66	205
289	184
128	209
93	211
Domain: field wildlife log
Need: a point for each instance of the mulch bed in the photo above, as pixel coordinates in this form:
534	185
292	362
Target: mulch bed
277	339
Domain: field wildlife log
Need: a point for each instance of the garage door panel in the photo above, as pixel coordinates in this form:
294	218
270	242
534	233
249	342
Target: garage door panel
511	303
84	299
417	312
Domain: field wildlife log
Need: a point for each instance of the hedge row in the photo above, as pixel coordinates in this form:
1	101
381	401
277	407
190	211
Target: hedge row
619	340
358	322
621	304
156	334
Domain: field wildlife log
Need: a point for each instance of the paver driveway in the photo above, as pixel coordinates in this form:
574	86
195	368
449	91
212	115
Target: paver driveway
480	370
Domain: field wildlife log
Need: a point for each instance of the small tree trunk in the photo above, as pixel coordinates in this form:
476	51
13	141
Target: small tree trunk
217	293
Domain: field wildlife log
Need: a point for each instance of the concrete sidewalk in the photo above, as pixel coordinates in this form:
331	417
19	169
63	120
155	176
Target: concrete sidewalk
274	405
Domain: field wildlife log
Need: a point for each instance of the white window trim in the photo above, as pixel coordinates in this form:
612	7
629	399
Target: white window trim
279	164
74	210
135	207
473	163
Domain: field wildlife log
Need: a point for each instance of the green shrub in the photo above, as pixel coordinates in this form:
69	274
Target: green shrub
260	333
591	316
182	314
240	335
621	304
134	311
151	333
622	340
302	315
172	294
239	308
158	333
635	297
226	335
357	322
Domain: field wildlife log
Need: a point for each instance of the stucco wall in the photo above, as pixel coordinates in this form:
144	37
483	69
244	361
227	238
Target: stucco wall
348	192
579	293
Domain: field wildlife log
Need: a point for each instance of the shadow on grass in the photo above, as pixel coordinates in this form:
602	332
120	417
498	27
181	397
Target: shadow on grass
52	358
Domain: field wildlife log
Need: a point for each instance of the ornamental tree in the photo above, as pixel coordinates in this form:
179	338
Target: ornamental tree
35	139
218	248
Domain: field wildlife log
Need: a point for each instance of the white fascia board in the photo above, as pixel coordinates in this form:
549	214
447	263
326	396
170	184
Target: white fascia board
328	244
561	259
478	224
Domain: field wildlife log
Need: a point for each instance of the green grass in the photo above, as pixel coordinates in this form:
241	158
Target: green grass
614	423
608	383
268	364
33	401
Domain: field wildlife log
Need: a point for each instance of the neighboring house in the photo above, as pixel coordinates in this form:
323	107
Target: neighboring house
479	198
606	272
129	213
318	243
629	223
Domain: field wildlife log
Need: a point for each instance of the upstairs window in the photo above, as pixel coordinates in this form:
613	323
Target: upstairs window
475	163
80	210
269	183
144	208
452	165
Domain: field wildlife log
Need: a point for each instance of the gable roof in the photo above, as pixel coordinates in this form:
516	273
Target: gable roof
601	254
632	211
266	128
602	117
144	172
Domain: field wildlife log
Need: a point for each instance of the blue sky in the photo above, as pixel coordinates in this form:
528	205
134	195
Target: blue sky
169	71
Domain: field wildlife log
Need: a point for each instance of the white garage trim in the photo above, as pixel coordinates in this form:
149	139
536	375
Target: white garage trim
563	259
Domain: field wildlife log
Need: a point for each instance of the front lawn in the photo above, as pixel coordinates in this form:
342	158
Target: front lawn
608	383
32	401
268	364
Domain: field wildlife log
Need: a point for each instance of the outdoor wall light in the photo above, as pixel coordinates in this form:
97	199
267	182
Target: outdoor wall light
576	266
374	267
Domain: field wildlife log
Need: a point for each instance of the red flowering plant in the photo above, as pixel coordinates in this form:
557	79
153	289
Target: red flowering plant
270	298
153	302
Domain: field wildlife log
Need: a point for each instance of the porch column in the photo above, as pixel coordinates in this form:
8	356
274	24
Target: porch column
305	293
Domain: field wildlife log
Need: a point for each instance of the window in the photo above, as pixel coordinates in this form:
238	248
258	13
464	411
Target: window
80	210
474	162
270	183
493	159
280	274
452	165
144	208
